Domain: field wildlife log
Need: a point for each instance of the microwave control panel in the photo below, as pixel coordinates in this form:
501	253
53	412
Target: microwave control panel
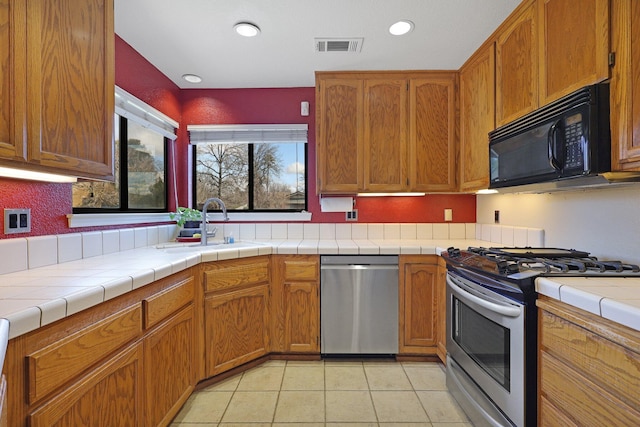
574	143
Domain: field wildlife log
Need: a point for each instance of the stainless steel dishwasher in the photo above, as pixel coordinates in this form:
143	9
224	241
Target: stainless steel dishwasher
358	304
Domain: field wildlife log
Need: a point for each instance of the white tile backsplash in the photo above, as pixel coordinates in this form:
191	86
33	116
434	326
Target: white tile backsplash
440	231
247	231
263	231
110	241
375	231
43	250
359	232
69	247
408	231
424	231
13	255
343	231
295	231
519	236
152	236
457	231
311	231
391	231
92	244
127	240
327	231
279	231
140	237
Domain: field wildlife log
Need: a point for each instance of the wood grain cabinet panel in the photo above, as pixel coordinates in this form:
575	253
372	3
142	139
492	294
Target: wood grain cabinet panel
589	368
421	277
159	306
229	274
433	132
4	407
625	85
477	118
385	134
12	79
52	366
169	364
236	328
339	136
109	396
574	46
517	65
70	86
295	302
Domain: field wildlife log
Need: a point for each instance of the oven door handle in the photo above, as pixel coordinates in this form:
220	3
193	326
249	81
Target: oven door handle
503	309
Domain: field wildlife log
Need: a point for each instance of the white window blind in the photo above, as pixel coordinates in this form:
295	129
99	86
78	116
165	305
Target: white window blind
225	134
145	115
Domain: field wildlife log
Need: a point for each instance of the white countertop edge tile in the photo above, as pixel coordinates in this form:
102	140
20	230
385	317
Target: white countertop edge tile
548	287
580	299
625	312
24	321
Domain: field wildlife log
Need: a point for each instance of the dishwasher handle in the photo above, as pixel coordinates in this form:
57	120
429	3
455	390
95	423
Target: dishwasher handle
358	267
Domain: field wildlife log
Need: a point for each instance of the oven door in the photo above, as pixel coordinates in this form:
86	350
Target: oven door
485	339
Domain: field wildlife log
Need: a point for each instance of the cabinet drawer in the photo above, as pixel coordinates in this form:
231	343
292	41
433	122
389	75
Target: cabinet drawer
610	365
236	273
586	402
52	366
298	270
159	306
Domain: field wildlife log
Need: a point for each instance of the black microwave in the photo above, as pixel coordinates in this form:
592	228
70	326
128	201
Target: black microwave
564	140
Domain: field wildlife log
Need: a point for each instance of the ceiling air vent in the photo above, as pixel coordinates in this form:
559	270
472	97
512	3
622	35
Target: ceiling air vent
352	45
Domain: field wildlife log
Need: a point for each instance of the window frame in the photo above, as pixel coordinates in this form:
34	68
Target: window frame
123	182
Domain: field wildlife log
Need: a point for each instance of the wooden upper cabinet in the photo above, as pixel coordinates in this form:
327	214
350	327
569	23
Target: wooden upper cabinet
432	133
386	131
385	135
12	85
60	57
517	65
339	134
477	117
574	45
625	85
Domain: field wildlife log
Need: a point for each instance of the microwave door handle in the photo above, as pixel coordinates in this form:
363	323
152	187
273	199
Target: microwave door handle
552	142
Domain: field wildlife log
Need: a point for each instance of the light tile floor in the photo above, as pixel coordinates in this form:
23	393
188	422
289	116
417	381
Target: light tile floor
329	393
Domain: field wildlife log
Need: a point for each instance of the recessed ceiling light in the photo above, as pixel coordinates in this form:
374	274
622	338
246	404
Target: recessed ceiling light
246	29
192	78
401	27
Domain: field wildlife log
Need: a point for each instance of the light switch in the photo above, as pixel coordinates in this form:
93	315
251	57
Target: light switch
17	221
448	214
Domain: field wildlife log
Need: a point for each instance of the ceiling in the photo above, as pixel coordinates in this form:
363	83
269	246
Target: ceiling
197	36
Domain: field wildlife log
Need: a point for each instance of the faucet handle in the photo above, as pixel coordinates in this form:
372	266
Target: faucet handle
213	232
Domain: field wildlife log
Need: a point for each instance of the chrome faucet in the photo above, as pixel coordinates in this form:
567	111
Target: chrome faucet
225	217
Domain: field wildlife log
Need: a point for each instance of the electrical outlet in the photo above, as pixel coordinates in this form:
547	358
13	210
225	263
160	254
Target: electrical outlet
496	217
448	214
352	215
17	221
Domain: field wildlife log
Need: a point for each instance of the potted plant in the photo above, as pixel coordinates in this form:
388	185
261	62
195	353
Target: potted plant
187	217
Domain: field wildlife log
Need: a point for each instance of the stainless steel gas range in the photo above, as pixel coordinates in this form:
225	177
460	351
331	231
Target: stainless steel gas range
492	325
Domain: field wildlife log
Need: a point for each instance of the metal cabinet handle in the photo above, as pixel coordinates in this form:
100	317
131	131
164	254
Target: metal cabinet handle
505	310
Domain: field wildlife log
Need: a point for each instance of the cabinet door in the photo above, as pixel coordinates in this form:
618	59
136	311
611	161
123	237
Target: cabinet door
70	86
517	66
625	85
169	361
12	84
295	303
418	306
477	118
236	328
574	45
432	133
339	135
110	395
385	135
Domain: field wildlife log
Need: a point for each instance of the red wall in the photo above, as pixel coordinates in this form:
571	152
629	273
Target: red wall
50	203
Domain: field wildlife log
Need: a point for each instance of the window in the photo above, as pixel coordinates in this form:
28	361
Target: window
140	162
251	169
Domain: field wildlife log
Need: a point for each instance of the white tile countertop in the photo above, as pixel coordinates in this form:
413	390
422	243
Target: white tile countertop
39	296
616	299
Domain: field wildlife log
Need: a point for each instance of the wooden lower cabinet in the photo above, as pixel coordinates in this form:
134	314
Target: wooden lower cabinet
130	361
236	325
236	312
110	395
169	366
422	280
295	299
588	367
